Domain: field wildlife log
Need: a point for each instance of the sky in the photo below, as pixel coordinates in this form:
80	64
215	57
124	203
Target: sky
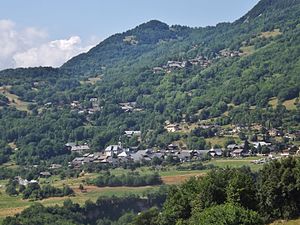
50	32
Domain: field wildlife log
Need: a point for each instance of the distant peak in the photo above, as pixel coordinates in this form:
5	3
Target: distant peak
154	24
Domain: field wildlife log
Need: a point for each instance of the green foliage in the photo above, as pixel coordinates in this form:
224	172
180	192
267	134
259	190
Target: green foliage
130	179
278	189
148	217
224	196
35	192
227	90
227	214
3	100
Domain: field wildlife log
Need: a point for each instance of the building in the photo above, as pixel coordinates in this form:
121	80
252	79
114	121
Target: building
112	150
133	133
172	128
238	153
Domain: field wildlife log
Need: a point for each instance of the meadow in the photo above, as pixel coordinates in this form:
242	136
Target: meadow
11	205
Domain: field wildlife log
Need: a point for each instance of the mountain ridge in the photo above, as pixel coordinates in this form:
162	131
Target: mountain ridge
232	74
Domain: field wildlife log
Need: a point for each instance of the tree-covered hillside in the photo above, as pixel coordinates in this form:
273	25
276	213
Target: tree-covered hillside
155	75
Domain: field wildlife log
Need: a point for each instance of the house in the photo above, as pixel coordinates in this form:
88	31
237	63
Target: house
176	64
80	148
238	153
158	69
215	152
25	182
184	155
285	153
93	99
48	104
172	128
78	161
123	154
45	174
55	166
232	147
127	106
201	153
142	155
158	154
260	143
172	147
75	104
113	150
274	132
133	133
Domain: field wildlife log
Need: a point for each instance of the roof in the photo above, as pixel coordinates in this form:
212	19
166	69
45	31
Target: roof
112	148
135	132
78	159
70	144
123	154
184	154
45	173
141	154
238	151
80	148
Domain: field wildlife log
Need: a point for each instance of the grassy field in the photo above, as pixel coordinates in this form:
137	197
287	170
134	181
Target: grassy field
289	104
92	80
248	50
12	205
269	34
220	140
14	99
236	163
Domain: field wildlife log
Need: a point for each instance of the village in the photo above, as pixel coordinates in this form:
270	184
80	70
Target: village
201	61
262	145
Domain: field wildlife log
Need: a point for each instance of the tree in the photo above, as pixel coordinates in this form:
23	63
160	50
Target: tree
241	189
278	192
11	190
81	187
226	214
148	217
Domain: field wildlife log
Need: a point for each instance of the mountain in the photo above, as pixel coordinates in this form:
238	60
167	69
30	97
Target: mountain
236	73
127	46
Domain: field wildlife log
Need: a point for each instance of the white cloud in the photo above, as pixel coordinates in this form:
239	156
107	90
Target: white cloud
31	47
53	53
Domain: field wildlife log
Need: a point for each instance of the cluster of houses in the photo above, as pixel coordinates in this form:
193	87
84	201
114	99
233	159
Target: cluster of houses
229	53
171	65
115	154
93	107
200	60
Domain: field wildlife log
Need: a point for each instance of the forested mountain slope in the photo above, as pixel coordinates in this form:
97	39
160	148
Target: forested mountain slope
224	74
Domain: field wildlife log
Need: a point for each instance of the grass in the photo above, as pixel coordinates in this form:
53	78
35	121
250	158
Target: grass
248	50
11	205
14	99
289	104
291	222
220	140
236	163
273	102
92	80
269	34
